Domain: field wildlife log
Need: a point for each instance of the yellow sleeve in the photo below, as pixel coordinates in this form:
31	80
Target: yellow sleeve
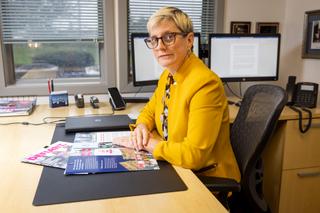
206	108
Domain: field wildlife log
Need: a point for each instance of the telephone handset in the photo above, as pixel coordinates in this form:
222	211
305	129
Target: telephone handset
303	95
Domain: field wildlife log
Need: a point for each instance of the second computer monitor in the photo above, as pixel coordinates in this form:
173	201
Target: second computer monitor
145	68
244	57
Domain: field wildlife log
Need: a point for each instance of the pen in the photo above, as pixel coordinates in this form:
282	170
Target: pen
49	87
52	86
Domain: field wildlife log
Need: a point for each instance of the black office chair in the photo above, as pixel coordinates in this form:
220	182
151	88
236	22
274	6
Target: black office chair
260	109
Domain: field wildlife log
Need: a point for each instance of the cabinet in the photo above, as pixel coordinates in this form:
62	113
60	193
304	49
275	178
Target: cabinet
292	168
300	190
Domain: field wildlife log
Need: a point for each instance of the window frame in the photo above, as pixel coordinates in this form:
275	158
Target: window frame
122	44
8	86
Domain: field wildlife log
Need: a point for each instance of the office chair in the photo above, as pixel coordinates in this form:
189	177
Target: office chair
257	117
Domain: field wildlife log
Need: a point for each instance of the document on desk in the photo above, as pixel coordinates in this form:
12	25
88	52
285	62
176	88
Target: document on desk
97	139
54	187
93	152
55	155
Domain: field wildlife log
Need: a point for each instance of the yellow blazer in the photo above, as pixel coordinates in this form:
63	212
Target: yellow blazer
198	121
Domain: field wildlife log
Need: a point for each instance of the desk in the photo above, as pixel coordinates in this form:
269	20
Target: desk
292	166
19	181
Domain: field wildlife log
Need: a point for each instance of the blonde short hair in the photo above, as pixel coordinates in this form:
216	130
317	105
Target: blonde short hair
177	16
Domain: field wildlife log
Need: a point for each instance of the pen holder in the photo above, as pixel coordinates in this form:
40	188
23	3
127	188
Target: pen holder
58	99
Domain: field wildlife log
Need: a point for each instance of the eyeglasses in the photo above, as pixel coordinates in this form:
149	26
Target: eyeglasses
167	39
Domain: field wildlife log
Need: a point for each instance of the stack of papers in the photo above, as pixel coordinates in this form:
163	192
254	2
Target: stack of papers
93	152
16	107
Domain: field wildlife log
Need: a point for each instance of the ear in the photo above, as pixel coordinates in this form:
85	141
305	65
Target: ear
190	38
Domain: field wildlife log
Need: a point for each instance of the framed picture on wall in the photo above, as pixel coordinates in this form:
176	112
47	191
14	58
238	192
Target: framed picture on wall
311	35
240	27
267	27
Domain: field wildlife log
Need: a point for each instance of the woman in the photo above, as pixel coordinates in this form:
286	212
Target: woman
186	121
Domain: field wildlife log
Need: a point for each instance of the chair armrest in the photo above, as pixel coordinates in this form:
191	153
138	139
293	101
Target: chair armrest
219	184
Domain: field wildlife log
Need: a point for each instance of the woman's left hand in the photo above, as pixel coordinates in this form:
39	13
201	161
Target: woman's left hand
128	142
140	136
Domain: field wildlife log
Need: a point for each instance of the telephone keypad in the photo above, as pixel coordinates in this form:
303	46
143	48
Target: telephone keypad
305	99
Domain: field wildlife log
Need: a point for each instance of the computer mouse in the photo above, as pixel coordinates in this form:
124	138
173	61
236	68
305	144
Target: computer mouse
94	101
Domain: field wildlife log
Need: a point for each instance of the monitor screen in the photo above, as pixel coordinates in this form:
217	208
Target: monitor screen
145	68
247	57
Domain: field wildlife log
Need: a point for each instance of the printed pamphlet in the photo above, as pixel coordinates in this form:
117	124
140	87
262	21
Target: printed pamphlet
94	139
16	107
94	153
55	155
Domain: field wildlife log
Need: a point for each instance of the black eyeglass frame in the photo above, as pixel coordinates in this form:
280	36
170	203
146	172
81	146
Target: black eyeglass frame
148	40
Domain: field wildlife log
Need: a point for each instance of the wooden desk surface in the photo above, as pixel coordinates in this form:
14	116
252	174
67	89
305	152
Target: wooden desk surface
287	113
19	181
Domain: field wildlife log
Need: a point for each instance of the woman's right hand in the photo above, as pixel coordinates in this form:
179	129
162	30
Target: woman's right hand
140	136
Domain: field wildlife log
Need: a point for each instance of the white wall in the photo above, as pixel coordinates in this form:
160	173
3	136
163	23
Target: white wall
254	11
290	15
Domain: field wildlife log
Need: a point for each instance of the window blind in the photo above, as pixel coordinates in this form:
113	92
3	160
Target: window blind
201	12
51	20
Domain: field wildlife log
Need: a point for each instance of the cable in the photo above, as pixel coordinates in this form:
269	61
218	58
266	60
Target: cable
112	111
300	118
240	91
232	91
11	123
22	123
46	120
61	119
138	91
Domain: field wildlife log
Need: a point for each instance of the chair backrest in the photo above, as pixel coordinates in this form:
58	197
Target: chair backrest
257	117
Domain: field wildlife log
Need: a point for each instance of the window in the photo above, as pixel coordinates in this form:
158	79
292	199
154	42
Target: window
206	16
60	39
201	13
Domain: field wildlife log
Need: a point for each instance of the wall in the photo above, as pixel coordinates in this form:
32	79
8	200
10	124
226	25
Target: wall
290	15
304	69
254	11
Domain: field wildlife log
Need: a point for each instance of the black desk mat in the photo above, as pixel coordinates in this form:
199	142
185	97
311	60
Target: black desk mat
54	187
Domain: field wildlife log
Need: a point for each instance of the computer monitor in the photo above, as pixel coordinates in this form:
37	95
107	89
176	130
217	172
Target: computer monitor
145	68
244	57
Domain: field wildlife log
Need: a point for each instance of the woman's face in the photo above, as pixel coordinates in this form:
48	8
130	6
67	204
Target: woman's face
171	56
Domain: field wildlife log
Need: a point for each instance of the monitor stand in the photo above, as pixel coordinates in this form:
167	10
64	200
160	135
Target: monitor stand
136	99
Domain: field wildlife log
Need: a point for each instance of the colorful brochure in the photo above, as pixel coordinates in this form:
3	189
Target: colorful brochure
101	155
55	155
